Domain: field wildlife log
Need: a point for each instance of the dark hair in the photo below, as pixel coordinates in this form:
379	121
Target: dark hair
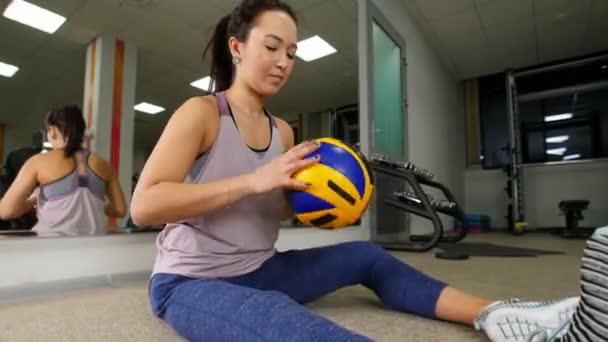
70	122
237	24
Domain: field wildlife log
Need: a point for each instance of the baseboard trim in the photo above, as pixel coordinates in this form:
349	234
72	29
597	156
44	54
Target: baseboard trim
65	286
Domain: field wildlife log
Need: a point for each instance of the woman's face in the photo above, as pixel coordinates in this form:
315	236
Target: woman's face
268	55
54	136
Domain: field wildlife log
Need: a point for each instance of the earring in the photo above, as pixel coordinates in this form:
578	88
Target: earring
236	60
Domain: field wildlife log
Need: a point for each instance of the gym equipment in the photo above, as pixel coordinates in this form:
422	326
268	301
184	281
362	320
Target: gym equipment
13	164
417	202
477	223
482	249
515	188
341	186
573	209
516	217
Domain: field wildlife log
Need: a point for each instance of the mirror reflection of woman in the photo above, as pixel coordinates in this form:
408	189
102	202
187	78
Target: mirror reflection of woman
71	188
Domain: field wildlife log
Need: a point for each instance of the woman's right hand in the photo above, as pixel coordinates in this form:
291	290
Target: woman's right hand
278	173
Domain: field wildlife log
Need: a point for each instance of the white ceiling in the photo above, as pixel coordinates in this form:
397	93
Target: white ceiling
480	37
170	36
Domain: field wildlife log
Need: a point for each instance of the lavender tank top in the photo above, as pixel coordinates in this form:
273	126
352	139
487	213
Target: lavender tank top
73	205
233	240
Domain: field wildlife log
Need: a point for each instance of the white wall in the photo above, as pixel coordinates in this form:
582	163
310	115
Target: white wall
436	107
544	188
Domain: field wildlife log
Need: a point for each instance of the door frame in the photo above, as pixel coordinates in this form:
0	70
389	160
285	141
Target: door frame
368	14
375	15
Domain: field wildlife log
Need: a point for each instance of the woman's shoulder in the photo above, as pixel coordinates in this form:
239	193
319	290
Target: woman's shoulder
199	104
196	112
47	157
100	166
281	123
285	130
46	163
37	159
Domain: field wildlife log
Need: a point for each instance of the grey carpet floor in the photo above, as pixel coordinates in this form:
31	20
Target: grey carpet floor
123	314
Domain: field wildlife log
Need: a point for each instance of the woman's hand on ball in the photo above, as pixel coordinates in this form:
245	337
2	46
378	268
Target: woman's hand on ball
278	172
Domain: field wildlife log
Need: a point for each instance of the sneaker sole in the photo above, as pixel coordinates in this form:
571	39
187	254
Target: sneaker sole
515	322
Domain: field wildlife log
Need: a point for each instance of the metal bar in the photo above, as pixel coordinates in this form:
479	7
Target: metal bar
409	207
560	66
455	212
561	91
567	162
510	80
406	246
425	209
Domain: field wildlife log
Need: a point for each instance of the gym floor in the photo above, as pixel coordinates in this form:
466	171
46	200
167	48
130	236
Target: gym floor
122	314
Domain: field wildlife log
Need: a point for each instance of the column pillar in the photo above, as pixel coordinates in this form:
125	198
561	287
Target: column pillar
109	98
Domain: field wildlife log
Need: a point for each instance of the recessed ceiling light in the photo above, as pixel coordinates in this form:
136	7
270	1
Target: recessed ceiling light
572	156
34	16
603	67
314	48
148	108
557	117
7	70
557	151
203	84
557	139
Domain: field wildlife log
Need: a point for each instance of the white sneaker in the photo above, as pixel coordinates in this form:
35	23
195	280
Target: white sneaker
516	321
542	335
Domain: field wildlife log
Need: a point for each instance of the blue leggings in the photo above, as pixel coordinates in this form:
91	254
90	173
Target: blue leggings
265	305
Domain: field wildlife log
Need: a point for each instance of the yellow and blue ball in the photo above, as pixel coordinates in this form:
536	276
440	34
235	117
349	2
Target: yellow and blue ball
342	185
